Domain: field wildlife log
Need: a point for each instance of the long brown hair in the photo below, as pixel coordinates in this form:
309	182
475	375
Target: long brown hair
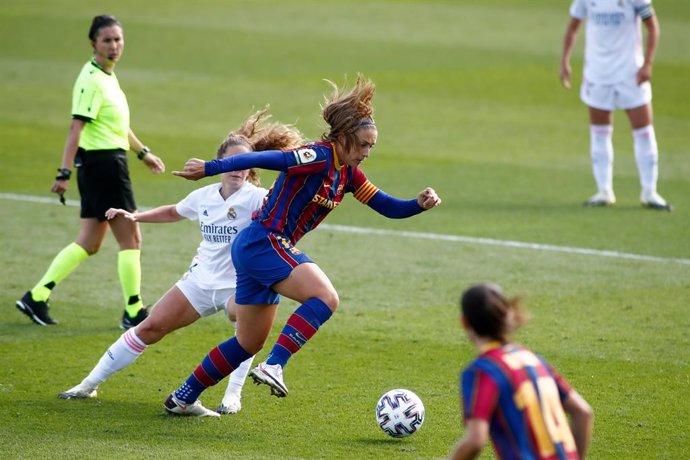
257	134
490	313
346	112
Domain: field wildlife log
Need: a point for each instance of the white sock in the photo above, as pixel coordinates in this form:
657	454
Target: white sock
237	379
121	354
238	376
601	153
647	157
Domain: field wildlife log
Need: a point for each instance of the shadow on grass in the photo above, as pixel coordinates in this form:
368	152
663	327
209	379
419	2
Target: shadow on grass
388	442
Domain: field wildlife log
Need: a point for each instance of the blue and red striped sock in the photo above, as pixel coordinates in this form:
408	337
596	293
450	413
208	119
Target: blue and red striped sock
300	327
218	364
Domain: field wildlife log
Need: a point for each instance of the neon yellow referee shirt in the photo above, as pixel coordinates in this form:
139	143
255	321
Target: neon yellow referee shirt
98	100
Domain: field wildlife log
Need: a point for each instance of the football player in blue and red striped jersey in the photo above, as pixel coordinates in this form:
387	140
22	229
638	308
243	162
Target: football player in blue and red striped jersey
512	394
312	182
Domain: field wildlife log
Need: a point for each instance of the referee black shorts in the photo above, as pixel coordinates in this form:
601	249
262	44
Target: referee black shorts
104	183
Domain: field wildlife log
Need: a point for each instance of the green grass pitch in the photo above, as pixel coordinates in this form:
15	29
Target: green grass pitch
468	102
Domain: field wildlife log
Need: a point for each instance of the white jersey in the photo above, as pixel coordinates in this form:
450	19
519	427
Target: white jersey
219	222
613	37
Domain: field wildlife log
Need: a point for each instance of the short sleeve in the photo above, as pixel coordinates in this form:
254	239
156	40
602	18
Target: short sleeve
643	8
578	9
479	394
87	99
188	207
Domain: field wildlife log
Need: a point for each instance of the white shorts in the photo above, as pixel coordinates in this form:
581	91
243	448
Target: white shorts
624	95
205	301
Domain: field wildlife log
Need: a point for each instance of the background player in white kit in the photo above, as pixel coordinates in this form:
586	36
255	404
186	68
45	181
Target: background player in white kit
222	210
617	73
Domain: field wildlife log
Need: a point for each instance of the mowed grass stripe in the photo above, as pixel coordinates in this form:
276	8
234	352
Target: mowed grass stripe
430	236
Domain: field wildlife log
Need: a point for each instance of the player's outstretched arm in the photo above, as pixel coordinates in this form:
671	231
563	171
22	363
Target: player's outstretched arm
159	215
428	198
396	208
194	169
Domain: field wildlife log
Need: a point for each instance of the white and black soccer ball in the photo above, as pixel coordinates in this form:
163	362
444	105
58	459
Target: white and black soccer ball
400	413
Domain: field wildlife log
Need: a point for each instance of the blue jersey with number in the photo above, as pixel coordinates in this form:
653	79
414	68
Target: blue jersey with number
520	395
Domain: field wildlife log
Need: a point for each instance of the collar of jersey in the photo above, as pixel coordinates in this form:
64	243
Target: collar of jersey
95	64
335	156
490	346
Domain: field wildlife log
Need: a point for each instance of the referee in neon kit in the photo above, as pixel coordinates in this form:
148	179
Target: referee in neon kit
97	144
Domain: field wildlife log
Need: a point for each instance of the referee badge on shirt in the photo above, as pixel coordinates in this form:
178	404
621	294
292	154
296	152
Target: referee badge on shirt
232	214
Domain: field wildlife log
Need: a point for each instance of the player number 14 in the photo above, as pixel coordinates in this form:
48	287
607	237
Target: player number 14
544	410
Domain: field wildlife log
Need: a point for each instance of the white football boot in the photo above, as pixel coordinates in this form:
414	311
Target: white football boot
653	200
177	407
230	405
601	199
271	375
81	391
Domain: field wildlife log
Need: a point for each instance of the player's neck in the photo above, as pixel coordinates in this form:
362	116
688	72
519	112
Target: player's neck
226	190
483	344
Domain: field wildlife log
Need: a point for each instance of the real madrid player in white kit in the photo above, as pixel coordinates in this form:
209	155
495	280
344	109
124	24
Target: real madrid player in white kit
617	74
222	210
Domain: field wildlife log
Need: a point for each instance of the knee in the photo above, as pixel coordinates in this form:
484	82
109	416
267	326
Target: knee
330	298
92	248
253	347
88	243
252	344
150	332
231	312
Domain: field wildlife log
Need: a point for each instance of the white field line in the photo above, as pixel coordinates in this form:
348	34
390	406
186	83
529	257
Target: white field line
430	236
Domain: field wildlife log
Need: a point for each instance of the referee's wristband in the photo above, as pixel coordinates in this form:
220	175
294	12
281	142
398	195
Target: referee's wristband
142	153
63	174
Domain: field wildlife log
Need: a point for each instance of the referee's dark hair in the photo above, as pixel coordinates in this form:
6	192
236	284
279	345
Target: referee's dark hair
100	21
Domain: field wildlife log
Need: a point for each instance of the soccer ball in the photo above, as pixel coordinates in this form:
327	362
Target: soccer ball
400	413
